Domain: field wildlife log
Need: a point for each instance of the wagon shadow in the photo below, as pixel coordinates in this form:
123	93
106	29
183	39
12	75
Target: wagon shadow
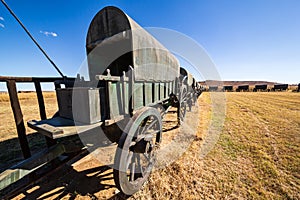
11	153
69	183
65	181
171	128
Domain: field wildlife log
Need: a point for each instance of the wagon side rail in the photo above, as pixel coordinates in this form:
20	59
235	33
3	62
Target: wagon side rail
16	108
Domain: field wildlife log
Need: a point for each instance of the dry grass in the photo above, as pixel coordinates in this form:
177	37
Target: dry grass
29	106
256	157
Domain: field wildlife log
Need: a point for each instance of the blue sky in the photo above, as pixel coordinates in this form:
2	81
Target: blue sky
247	40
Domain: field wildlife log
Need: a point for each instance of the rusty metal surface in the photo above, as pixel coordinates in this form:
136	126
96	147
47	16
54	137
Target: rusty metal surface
115	41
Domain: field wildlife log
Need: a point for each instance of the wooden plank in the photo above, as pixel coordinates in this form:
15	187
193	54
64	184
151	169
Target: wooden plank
138	95
114	100
115	120
32	79
59	127
15	105
126	98
27	166
120	97
45	129
40	175
148	93
110	78
123	91
40	98
50	142
156	91
161	91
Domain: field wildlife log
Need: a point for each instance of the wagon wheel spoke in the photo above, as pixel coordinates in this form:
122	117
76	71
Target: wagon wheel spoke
132	169
154	122
129	159
147	158
143	126
140	167
148	131
152	132
182	104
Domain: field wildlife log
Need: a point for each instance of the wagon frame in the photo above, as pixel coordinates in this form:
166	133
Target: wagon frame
58	127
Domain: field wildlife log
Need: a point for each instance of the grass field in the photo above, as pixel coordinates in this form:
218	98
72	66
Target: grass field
29	106
257	155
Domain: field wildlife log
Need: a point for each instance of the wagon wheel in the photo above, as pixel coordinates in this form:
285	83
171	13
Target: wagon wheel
135	155
195	97
190	101
182	103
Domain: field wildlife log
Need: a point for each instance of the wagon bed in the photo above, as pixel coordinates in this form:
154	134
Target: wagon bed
59	127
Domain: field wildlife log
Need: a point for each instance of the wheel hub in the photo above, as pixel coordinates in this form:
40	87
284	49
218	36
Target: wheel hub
142	146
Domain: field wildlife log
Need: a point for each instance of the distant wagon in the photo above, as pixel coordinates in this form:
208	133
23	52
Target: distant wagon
228	88
213	88
243	88
187	90
260	88
280	87
197	90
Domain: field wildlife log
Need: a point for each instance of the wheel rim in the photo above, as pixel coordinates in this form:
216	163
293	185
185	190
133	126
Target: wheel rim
135	155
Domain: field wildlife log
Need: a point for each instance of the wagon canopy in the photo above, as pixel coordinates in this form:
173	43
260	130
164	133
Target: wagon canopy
189	76
115	41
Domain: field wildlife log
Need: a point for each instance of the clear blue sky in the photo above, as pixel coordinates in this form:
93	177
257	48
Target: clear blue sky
247	40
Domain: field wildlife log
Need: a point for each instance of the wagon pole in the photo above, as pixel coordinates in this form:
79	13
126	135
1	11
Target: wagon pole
32	38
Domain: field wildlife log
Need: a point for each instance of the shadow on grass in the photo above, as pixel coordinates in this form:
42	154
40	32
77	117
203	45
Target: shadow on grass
64	181
71	183
11	153
68	183
170	129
